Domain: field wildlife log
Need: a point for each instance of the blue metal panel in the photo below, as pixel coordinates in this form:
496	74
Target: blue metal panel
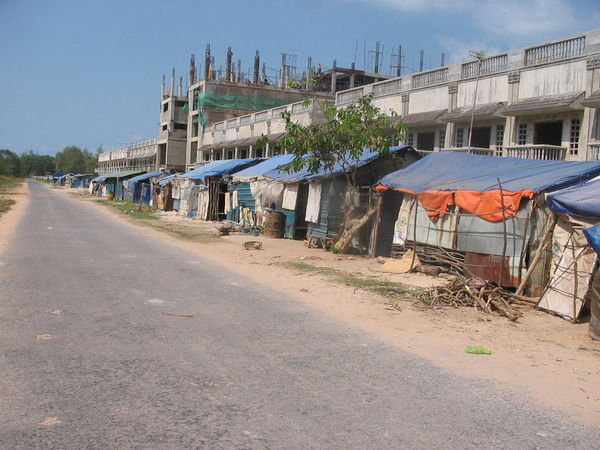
290	223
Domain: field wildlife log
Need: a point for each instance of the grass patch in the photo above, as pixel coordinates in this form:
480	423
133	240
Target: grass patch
136	211
5	204
8	183
390	289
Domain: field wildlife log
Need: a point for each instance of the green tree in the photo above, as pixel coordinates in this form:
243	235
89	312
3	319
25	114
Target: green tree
33	164
340	141
76	160
9	163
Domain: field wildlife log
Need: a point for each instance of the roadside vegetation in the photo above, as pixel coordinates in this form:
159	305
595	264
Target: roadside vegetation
136	211
389	289
6	185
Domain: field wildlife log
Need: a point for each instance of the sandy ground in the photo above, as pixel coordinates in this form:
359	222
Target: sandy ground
541	357
10	219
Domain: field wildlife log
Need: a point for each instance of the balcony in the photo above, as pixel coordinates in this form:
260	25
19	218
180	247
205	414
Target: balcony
593	153
472	150
536	151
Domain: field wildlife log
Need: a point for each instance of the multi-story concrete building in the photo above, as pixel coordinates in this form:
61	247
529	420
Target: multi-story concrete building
140	155
535	102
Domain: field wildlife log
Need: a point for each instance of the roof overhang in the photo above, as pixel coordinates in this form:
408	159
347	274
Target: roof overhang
545	105
593	101
423	118
488	111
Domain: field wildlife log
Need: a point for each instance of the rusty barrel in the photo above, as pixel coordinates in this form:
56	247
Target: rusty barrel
274	225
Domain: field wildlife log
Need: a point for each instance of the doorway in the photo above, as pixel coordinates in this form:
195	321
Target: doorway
481	137
548	133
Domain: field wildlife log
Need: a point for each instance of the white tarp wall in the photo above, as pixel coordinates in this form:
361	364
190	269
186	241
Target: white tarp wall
573	261
266	195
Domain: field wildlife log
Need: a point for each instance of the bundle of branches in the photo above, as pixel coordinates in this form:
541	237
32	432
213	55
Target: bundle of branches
477	293
450	261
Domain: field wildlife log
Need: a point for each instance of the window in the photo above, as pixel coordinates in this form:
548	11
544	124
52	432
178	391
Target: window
165	107
499	139
243	154
459	138
206	156
218	155
442	139
164	127
258	153
574	136
180	103
181	126
522	137
410	139
230	154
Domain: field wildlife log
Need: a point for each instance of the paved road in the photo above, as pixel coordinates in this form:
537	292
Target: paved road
250	370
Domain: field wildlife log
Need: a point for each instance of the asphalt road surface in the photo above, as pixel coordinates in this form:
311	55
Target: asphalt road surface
89	359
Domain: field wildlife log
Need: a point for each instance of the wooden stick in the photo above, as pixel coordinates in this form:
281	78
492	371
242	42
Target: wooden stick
541	248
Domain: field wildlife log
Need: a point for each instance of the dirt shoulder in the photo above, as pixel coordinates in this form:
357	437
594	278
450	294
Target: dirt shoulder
10	217
540	357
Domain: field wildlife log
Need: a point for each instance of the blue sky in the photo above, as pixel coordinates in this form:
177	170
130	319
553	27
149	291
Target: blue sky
88	73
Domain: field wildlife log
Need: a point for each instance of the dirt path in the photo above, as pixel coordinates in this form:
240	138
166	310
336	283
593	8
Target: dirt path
541	356
10	219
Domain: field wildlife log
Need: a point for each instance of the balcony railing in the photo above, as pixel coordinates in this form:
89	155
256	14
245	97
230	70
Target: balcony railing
473	150
593	153
536	151
350	96
491	65
387	87
429	78
555	51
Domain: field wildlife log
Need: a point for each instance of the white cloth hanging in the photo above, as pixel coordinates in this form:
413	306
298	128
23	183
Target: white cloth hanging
313	205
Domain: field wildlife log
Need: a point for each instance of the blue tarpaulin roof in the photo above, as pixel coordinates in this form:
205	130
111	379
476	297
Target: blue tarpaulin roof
367	156
217	168
581	200
263	167
144	177
124	174
455	171
165	180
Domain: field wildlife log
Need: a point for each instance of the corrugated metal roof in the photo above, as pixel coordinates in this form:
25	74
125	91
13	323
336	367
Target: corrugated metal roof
123	174
145	176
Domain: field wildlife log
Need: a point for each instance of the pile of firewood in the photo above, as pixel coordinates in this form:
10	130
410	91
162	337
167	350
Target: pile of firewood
478	293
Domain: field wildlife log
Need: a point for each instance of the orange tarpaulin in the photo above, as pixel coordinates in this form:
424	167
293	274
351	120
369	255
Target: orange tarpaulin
487	204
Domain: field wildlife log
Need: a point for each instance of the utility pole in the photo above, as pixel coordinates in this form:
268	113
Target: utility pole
479	56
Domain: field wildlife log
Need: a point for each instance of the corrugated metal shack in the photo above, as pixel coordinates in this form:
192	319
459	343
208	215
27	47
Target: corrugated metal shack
486	212
241	204
111	184
202	191
139	189
313	202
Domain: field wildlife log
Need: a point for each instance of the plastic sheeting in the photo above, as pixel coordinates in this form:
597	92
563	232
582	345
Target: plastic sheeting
313	203
267	194
290	196
219	168
366	157
239	102
447	178
577	201
593	237
257	171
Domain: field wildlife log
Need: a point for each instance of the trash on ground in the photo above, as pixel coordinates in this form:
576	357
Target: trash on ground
478	350
252	245
178	315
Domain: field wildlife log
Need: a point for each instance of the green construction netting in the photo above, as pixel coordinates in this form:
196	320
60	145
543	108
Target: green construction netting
240	102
